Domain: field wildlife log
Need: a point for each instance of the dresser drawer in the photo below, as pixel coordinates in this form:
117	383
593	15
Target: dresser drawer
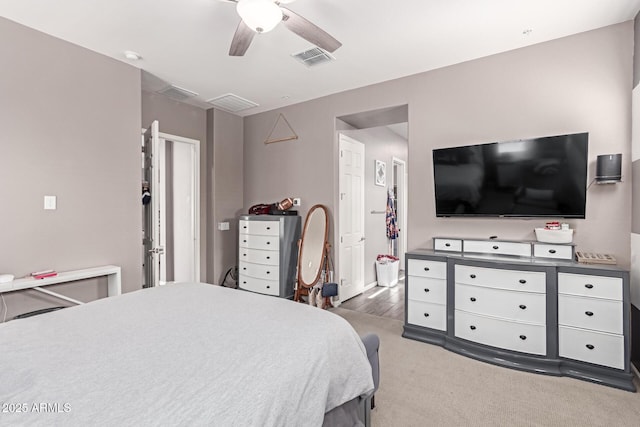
260	271
511	305
453	245
602	315
497	247
427	289
259	256
269	287
262	228
591	286
259	242
593	347
523	337
427	314
427	268
545	250
528	281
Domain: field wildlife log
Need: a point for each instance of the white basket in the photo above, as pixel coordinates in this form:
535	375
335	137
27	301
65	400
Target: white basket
554	236
387	273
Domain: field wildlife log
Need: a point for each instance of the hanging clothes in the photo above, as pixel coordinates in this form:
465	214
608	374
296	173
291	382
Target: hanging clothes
392	223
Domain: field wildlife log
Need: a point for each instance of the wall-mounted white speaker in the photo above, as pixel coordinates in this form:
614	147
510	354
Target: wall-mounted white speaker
609	168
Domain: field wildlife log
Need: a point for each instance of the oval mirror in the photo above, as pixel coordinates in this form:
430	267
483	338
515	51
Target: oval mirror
312	246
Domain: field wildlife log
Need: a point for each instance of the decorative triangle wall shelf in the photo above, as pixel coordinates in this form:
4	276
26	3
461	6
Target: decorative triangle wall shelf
281	131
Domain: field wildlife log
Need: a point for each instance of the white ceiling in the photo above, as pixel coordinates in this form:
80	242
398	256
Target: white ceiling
185	42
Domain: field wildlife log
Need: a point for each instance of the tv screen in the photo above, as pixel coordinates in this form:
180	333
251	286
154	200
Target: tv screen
539	177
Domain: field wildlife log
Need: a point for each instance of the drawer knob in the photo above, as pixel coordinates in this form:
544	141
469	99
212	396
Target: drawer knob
522	281
268	272
268	243
473	299
244	254
426	315
244	282
473	276
426	269
588	286
244	241
426	289
268	287
589	313
522	306
496	247
523	337
245	227
268	257
447	244
552	251
244	268
590	346
268	228
473	328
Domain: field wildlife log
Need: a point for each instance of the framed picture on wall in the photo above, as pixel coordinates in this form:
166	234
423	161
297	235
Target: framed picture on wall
381	173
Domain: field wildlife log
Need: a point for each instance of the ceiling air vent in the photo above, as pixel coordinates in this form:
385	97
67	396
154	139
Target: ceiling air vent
231	103
177	93
314	56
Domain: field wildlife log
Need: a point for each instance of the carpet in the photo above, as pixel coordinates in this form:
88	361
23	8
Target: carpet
423	384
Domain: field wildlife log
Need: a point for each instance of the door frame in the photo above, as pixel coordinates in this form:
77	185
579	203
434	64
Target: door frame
401	185
196	200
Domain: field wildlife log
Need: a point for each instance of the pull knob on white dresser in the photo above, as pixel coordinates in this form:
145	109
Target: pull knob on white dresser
268	253
522	305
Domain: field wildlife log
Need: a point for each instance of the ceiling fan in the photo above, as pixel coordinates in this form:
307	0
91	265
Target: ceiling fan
261	16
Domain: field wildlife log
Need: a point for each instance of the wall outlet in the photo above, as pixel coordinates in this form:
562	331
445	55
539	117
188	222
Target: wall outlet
223	226
296	201
50	202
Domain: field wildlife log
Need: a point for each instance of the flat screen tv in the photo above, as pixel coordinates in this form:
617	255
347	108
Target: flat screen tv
539	177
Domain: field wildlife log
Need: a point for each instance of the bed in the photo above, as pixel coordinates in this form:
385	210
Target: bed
182	354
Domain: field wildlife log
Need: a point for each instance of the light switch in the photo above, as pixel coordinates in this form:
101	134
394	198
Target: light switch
296	201
223	226
50	202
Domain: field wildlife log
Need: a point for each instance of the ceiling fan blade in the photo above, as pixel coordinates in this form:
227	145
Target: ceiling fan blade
309	31
241	39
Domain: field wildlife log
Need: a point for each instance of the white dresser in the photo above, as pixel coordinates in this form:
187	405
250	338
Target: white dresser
268	253
522	305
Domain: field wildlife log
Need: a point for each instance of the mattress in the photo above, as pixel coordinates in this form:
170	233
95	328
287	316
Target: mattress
182	354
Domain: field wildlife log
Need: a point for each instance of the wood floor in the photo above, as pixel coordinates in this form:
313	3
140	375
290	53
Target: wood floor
380	301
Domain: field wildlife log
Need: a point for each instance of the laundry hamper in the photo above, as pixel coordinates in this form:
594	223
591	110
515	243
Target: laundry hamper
387	271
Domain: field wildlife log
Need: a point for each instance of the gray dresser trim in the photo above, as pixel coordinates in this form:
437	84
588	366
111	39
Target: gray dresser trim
549	364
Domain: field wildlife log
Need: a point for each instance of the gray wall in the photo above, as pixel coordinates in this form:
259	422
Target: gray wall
575	84
225	178
179	119
70	127
380	144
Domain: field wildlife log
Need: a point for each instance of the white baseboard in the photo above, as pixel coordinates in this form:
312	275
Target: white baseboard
370	285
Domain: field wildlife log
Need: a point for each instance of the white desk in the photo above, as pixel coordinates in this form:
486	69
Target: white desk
112	272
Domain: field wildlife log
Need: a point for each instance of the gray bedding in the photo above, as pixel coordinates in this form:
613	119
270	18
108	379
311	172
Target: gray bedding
184	354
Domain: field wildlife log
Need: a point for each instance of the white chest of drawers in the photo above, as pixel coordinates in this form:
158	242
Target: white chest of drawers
501	308
536	313
590	319
427	293
268	253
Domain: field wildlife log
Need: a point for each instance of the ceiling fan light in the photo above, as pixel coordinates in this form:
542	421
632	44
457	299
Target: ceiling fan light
259	15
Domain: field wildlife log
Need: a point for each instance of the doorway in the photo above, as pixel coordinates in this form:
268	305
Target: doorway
171	220
384	134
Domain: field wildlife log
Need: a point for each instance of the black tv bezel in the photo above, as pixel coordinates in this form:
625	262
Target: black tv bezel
513	216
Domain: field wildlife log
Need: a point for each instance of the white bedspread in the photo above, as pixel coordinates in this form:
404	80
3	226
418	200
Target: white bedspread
184	354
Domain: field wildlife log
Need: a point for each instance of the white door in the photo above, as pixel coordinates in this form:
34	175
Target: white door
351	213
153	247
